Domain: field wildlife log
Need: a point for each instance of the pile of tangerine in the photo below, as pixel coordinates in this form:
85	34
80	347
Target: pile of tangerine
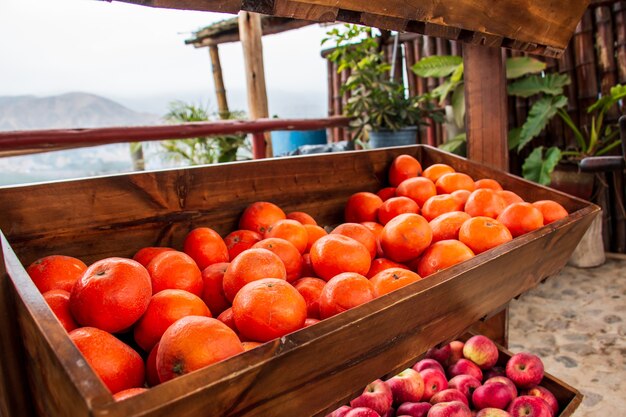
278	273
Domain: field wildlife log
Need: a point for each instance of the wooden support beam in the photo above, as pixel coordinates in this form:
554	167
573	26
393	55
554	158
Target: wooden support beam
250	32
218	81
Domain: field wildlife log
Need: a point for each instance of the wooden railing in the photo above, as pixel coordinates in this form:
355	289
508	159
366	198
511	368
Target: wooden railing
34	141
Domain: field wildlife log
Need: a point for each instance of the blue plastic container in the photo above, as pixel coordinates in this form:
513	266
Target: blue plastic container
386	138
285	141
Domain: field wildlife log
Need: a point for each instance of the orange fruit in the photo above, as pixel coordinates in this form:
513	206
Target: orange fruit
164	309
380	264
267	309
435	171
228	319
213	288
551	210
483	233
192	343
251	265
117	364
145	255
302	217
307	267
333	254
360	233
313	232
510	197
395	206
391	279
343	292
447	225
291	231
112	294
440	204
403	167
152	375
521	218
484	202
377	229
310	289
56	272
206	247
260	215
362	207
418	189
405	237
288	254
59	303
462	196
488	183
240	240
175	270
127	393
250	345
441	255
448	183
386	193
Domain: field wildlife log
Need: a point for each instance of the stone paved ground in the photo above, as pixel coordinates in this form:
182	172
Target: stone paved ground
576	322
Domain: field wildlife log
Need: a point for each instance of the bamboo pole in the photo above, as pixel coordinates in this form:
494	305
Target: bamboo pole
218	81
330	132
337	100
251	32
605	53
566	66
409	58
619	12
587	80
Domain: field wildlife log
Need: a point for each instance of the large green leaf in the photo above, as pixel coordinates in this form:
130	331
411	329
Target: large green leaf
538	167
458	105
551	84
519	66
538	117
514	137
455	145
617	93
437	66
443	90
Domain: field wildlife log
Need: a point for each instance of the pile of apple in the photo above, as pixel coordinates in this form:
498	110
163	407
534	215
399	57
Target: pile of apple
459	380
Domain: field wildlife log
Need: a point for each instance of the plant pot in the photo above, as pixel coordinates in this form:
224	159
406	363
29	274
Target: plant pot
568	178
286	141
385	138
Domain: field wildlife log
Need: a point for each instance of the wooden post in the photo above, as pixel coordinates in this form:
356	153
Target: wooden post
250	33
218	80
486	110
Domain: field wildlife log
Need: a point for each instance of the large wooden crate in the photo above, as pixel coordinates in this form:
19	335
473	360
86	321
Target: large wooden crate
305	373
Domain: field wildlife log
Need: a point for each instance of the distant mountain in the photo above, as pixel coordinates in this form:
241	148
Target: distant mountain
71	110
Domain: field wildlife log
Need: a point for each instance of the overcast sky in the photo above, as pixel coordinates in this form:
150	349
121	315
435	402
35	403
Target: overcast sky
137	55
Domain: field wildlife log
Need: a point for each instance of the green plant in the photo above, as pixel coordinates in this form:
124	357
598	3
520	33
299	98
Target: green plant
201	150
376	100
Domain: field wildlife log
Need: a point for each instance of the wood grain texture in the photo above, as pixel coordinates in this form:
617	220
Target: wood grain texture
292	376
296	9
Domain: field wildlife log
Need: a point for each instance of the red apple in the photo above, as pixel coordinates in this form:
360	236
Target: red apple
362	412
414	409
505	381
492	395
465	367
495	371
464	383
376	396
544	393
529	406
525	370
482	351
448	395
441	354
450	409
340	412
456	351
428	363
407	386
434	381
492	412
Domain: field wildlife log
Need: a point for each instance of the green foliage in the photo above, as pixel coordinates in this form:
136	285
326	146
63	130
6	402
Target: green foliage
376	102
201	150
437	66
550	84
538	118
456	145
517	67
538	167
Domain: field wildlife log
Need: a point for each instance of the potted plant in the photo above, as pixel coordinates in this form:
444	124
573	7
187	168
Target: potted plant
383	113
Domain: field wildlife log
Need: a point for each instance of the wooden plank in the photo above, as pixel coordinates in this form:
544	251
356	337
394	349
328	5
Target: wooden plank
250	33
301	10
218	81
219	6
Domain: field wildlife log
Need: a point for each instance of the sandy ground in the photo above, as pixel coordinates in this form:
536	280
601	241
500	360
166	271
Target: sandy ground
576	322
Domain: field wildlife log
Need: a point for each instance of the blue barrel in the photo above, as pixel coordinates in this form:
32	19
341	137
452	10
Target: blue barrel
386	138
285	141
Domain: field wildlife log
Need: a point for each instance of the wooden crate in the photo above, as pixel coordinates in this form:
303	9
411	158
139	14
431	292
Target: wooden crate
305	373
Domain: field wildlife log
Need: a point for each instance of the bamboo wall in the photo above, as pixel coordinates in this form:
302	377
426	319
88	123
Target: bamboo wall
595	60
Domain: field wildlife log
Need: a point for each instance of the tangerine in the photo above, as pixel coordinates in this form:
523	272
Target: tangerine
251	265
405	237
145	255
551	210
360	233
206	247
343	292
333	254
56	272
435	171
462	196
447	225
213	288
313	233
483	233
488	183
228	319
175	270
290	230
302	217
310	289
380	264
521	218
362	207
448	183
510	197
485	202
402	168
418	189
391	279
59	303
152	375
386	193
440	204
441	255
395	206
260	215
240	240
288	254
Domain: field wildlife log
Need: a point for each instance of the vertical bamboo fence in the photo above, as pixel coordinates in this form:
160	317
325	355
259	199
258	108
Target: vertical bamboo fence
595	60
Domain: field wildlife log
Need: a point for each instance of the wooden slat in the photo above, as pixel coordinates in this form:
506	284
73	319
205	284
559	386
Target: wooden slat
300	10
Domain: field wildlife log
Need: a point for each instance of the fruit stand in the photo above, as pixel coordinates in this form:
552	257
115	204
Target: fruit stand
313	370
